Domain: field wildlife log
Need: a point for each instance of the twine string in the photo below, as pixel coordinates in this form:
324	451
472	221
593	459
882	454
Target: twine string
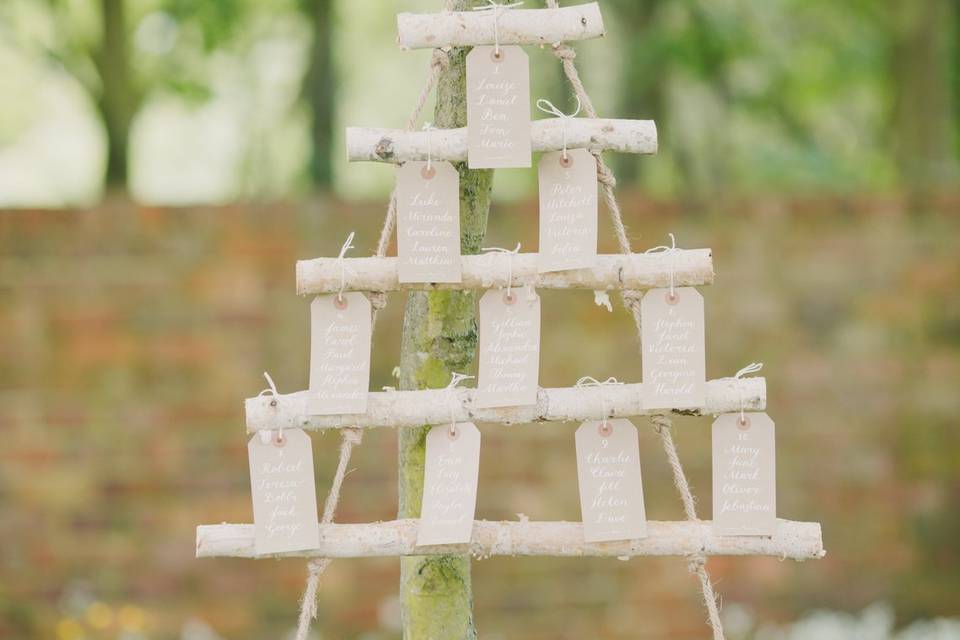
672	250
455	379
497	9
428	127
588	381
548	107
753	367
347	245
510	255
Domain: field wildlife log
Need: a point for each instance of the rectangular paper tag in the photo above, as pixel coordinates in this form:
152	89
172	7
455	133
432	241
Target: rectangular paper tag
449	485
674	353
568	210
428	222
339	354
284	494
498	108
744	475
509	367
611	487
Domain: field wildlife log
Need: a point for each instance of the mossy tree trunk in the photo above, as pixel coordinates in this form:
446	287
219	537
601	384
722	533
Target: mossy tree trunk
440	336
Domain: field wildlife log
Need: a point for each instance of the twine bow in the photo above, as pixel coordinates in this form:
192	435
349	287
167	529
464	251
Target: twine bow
347	245
753	367
548	107
672	249
509	262
455	379
587	381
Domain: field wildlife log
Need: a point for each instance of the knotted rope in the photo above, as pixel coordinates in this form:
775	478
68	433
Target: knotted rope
631	300
439	61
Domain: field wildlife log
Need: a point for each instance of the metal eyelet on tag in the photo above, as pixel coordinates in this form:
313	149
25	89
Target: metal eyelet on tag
743	423
497	56
278	439
672	297
453	433
509	298
340	302
605	429
428	173
566	161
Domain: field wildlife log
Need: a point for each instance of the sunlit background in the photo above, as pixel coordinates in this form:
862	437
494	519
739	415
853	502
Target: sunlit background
163	163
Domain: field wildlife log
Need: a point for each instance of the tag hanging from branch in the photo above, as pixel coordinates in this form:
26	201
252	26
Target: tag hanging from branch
340	333
498	102
428	220
673	344
509	353
568	204
609	475
451	470
744	470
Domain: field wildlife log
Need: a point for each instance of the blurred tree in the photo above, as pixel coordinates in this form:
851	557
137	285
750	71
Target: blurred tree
923	119
91	42
319	89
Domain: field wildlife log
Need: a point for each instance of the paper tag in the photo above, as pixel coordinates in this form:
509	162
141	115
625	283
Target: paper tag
339	354
568	211
744	475
674	354
509	349
284	494
449	485
611	488
428	222
498	108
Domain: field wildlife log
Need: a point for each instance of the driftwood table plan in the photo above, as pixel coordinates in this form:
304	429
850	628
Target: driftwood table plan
662	275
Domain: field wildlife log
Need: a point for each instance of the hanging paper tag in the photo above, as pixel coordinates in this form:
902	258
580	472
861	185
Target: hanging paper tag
428	222
744	475
498	108
339	354
284	494
674	354
509	348
449	485
611	488
568	210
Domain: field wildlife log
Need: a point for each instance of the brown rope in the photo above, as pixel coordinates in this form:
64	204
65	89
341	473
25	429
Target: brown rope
352	437
631	300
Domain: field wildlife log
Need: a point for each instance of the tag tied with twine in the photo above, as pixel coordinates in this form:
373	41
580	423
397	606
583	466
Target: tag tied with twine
673	341
428	220
744	471
610	480
568	203
498	101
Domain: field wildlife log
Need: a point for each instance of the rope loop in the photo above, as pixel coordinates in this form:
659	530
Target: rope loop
660	423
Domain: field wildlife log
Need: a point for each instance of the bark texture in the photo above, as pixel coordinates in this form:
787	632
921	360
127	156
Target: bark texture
440	336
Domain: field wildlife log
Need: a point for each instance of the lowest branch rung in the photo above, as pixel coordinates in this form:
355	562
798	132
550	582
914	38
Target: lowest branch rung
632	272
516	26
437	406
595	134
794	540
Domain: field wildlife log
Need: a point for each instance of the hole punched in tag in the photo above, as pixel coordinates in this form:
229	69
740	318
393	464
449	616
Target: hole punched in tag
455	378
743	423
508	296
497	55
428	173
566	161
605	429
672	297
279	440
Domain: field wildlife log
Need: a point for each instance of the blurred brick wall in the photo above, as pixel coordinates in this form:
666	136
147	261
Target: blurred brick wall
130	336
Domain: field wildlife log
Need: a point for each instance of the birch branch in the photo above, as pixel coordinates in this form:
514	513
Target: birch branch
432	406
794	540
595	134
633	272
517	26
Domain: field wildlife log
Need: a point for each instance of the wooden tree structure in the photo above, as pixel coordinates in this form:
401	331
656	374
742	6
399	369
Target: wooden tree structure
440	322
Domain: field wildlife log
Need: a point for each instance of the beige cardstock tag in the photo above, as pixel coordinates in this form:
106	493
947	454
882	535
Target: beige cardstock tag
449	485
744	475
509	367
498	108
284	494
611	487
428	222
339	354
674	352
568	211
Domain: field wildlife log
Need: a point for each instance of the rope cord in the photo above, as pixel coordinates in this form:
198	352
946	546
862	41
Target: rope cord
631	300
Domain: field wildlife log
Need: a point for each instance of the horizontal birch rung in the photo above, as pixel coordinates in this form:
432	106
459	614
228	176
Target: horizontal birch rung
794	540
434	406
595	134
516	26
632	272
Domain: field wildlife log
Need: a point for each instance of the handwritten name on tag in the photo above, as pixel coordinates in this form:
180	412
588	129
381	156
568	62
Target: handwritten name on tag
611	487
509	366
744	475
568	211
674	352
449	485
284	494
339	354
498	108
428	222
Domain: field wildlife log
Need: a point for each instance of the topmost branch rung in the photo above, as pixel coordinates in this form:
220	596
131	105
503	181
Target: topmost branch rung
516	26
